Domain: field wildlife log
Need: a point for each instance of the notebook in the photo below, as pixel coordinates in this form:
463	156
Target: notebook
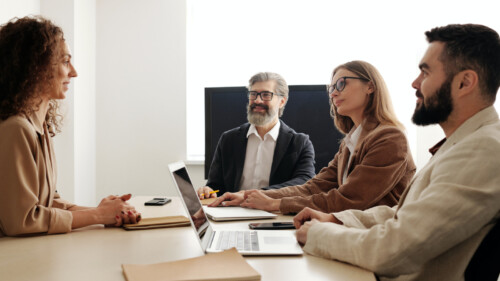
247	242
226	265
161	222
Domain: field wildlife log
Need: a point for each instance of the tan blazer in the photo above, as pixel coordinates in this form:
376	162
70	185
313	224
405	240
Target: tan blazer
380	170
29	202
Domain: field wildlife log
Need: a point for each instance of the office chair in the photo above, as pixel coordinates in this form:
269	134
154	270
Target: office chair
485	264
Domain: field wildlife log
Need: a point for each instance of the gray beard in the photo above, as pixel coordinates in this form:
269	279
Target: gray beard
260	119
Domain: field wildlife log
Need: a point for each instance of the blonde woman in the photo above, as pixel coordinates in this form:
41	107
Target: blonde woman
35	71
373	165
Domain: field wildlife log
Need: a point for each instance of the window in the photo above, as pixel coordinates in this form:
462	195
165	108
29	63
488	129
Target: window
228	41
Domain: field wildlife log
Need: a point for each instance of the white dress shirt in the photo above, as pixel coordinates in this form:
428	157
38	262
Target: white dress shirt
351	140
259	158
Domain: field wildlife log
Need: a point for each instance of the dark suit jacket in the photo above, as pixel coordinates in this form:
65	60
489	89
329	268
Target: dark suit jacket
293	160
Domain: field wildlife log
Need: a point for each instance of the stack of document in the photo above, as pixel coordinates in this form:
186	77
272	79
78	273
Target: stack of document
227	265
159	222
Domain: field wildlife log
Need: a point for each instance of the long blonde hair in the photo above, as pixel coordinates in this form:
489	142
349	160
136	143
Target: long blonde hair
379	106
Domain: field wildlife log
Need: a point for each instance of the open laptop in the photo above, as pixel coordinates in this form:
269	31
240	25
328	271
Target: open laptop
247	242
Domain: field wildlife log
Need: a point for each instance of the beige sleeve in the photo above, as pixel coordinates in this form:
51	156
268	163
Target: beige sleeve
367	218
61	203
22	182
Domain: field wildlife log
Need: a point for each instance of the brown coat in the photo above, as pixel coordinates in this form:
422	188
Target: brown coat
29	202
380	170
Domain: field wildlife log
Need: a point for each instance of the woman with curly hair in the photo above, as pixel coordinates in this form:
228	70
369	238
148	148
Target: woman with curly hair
35	71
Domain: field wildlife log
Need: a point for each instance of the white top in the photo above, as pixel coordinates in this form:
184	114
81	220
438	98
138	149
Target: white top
441	218
259	158
351	140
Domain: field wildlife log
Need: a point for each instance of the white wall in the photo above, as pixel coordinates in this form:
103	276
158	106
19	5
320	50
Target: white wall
141	101
75	145
10	9
62	14
85	102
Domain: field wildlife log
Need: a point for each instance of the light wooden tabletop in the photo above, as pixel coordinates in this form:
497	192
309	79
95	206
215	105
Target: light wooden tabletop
96	253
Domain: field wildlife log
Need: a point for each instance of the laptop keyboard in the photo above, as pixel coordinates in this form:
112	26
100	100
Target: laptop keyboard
241	240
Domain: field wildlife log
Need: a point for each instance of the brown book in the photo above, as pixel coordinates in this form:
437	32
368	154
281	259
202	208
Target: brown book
160	222
227	265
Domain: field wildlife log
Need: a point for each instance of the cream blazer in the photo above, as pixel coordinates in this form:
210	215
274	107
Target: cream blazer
442	217
29	202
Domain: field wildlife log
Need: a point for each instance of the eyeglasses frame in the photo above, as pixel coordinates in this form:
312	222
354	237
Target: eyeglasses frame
334	85
259	94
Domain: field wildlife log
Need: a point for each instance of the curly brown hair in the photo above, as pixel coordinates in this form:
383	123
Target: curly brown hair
29	50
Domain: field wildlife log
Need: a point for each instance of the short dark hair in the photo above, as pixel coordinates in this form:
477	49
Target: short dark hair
471	46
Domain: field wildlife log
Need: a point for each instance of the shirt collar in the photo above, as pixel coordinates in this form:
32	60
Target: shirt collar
436	147
274	132
33	119
352	138
483	117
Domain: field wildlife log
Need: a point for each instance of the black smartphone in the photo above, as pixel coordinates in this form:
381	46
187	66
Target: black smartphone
272	225
157	202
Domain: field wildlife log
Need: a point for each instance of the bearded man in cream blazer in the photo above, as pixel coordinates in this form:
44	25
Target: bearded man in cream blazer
454	201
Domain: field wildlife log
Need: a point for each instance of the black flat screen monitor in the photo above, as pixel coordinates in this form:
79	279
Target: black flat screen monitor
307	111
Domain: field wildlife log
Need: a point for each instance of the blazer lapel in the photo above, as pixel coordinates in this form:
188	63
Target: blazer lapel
43	138
284	138
368	126
239	152
343	158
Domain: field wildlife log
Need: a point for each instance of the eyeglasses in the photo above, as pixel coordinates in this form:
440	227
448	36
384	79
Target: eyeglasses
264	95
340	84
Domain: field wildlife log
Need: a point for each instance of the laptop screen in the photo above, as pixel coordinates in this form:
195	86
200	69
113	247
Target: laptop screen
191	200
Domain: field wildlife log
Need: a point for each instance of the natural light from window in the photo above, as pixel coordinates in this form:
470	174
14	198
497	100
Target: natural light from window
230	40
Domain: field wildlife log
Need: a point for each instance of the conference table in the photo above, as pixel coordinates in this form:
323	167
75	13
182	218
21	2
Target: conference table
97	252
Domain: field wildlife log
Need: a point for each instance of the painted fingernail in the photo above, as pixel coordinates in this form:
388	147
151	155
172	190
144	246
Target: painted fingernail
117	217
129	212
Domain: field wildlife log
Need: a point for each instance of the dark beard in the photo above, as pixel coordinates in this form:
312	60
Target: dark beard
438	108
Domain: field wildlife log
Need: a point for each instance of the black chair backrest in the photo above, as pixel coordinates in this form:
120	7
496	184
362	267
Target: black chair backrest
485	264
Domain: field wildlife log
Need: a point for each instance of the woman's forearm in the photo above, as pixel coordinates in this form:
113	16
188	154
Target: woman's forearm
85	216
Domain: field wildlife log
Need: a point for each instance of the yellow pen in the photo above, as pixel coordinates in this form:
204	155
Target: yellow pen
211	192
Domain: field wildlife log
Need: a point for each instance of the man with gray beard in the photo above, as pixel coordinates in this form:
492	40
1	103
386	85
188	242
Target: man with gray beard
264	153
